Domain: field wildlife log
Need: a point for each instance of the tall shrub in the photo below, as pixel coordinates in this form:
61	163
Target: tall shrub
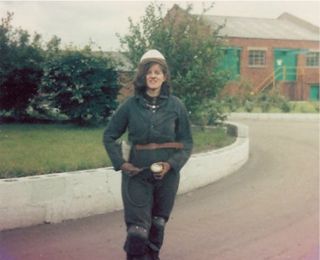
81	84
20	68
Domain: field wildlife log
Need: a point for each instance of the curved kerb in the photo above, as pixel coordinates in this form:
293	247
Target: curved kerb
56	197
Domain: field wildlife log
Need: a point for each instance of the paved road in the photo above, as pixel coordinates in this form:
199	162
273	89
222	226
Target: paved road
266	210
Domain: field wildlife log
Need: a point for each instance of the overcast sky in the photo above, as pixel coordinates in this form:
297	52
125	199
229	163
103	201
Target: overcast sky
78	22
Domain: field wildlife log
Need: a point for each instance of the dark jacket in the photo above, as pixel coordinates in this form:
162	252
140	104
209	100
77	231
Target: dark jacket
166	122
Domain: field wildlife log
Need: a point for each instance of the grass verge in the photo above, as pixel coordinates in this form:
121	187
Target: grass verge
28	149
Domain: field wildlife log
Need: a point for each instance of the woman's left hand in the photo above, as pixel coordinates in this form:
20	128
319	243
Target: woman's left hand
165	168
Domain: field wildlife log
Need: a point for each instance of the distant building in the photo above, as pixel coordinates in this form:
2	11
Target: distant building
278	53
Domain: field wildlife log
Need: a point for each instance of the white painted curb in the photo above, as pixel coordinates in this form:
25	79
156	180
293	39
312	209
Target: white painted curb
53	198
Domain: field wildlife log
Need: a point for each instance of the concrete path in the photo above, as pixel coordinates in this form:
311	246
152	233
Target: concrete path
267	210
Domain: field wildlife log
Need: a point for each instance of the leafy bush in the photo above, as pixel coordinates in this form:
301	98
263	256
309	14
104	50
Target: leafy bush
316	106
20	86
82	85
232	103
306	106
248	105
209	113
281	102
20	68
51	84
285	107
265	102
265	106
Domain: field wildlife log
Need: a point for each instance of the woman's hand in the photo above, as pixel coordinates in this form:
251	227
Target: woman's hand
130	169
165	168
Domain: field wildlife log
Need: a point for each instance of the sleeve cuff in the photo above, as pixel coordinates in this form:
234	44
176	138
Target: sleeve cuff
174	165
117	167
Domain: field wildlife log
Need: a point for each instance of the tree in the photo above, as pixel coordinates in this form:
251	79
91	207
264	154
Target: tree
20	67
192	50
83	85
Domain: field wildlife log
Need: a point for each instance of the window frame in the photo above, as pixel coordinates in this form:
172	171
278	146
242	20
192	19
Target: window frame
315	59
263	58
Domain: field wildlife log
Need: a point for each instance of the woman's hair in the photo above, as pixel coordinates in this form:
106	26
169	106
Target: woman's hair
139	82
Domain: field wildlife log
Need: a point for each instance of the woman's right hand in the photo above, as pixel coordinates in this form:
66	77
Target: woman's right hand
130	169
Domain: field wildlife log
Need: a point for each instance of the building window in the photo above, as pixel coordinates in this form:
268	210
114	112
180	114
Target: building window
257	58
312	59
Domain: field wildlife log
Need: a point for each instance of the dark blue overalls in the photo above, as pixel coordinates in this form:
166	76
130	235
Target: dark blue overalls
148	202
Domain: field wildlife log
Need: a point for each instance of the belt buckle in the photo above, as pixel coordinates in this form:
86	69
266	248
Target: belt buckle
153	146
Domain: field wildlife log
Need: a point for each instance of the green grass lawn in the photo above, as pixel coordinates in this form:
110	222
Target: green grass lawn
29	149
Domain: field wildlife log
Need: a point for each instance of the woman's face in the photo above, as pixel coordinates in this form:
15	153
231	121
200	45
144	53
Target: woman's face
154	78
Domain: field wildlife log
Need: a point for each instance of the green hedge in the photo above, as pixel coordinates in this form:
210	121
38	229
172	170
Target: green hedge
42	81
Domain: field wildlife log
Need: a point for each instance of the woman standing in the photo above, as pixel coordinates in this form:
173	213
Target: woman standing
161	143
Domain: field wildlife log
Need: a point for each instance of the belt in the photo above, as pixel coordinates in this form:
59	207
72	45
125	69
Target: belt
153	146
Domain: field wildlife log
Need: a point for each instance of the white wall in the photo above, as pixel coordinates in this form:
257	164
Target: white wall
53	198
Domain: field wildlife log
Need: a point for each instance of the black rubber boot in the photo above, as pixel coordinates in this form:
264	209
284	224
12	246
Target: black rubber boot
154	255
139	257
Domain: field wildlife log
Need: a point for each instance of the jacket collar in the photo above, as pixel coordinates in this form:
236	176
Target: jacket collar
163	95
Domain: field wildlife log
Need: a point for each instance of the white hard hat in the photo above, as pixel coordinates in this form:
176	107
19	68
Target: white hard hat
152	54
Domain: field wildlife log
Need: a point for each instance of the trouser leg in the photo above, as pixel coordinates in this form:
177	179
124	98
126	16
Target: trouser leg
147	205
136	243
156	236
164	197
137	193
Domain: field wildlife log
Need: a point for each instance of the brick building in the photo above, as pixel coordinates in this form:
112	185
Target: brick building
280	54
266	54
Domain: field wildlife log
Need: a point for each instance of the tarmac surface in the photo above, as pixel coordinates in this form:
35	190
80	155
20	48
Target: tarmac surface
269	209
